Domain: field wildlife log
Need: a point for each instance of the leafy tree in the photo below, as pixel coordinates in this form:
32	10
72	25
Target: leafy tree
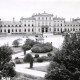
68	60
26	47
15	43
6	67
29	58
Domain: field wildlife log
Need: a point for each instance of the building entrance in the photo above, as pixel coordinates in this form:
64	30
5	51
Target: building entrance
44	30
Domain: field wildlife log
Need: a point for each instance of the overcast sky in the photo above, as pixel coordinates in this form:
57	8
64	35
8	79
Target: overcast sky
25	8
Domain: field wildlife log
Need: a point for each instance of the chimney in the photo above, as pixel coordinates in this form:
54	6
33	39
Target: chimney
13	19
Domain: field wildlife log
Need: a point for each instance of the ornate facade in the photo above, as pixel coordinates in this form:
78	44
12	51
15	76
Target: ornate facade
39	23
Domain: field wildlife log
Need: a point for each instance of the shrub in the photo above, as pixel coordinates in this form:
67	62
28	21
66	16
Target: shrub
42	48
17	61
39	59
36	55
27	58
45	58
16	58
15	43
49	54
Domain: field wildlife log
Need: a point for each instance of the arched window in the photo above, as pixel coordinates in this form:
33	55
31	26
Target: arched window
24	30
19	25
8	25
16	30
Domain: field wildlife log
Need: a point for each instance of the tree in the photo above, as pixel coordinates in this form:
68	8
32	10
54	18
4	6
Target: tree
26	47
6	68
29	58
68	60
15	43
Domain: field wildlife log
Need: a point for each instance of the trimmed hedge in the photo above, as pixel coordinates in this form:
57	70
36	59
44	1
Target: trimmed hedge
36	55
42	48
39	59
27	58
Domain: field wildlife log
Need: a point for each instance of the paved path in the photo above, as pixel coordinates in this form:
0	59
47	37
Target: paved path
23	68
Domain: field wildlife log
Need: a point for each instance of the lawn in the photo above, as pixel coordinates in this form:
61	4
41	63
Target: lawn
41	68
21	76
17	49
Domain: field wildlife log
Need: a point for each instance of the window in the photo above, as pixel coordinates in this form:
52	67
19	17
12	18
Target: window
39	18
28	30
16	30
65	29
50	29
28	24
73	29
32	30
61	24
15	25
1	30
25	25
49	24
54	29
8	25
32	25
4	25
42	18
0	25
39	29
24	30
19	30
46	18
4	30
12	25
58	29
50	18
12	30
19	25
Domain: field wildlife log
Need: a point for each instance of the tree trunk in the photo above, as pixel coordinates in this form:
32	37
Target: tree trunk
24	52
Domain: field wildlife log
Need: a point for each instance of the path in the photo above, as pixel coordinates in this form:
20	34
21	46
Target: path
23	68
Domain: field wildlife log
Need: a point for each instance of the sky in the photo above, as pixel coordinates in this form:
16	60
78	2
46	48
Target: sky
25	8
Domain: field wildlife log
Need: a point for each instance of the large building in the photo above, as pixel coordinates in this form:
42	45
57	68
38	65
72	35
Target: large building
39	23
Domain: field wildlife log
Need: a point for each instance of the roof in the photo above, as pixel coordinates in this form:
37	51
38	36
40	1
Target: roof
43	14
71	23
29	18
10	23
58	18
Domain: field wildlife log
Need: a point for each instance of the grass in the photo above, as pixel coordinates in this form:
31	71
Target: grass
41	68
17	49
21	76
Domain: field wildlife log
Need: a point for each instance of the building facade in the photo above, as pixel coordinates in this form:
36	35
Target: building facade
39	23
